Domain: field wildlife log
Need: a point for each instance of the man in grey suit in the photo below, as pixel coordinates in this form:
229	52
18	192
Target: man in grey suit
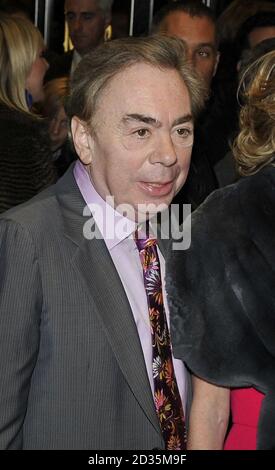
75	338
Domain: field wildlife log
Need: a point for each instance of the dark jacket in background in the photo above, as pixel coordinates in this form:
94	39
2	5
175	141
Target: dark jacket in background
26	165
222	293
201	179
59	65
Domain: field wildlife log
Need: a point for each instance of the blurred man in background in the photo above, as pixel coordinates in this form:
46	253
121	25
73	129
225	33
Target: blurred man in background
88	25
194	23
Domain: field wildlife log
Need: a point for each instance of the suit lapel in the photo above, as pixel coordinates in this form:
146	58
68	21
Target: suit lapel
93	264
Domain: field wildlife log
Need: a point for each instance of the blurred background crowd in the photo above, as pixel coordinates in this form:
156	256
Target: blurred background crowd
41	43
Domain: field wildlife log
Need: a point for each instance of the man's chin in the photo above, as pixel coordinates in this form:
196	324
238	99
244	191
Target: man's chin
83	49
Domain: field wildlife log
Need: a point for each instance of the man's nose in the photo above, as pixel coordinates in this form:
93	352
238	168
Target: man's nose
76	25
165	152
191	59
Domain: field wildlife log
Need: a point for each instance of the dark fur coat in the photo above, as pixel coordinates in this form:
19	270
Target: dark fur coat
26	165
222	293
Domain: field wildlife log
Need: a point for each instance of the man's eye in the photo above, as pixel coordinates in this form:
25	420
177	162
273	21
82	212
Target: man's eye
142	132
204	53
184	132
88	16
70	16
183	136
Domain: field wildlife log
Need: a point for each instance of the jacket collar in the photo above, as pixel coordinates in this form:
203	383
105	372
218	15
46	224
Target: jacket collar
92	262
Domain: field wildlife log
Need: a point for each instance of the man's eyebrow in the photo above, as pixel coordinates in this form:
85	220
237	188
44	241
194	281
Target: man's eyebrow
183	119
141	118
88	12
154	122
207	44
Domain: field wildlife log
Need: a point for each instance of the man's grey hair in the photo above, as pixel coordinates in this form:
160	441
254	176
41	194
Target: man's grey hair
98	67
105	5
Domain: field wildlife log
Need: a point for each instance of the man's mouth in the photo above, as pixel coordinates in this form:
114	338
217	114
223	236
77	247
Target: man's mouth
157	189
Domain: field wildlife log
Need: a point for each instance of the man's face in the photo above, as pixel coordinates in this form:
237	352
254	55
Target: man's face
86	23
137	150
260	34
58	128
199	36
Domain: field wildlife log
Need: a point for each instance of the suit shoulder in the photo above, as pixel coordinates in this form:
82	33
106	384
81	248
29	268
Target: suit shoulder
35	214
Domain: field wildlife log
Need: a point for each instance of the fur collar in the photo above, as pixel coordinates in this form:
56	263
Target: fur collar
222	292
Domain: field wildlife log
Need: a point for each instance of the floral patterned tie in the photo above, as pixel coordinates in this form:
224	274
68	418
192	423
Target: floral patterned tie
166	393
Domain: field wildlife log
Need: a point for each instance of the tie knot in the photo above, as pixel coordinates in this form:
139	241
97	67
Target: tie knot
144	241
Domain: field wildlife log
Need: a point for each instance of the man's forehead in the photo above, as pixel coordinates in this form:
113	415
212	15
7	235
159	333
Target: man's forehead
81	5
181	24
260	33
142	89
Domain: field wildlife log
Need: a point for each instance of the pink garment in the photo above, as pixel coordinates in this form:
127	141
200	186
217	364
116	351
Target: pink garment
125	255
245	408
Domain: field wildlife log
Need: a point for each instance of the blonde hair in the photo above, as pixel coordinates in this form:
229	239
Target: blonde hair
98	67
254	147
20	43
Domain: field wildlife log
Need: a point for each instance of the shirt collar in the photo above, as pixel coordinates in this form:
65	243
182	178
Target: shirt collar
113	226
75	61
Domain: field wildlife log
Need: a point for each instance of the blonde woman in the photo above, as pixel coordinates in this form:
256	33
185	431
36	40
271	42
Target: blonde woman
25	156
222	303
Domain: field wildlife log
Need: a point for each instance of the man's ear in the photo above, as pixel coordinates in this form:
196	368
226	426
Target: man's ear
217	63
107	19
82	140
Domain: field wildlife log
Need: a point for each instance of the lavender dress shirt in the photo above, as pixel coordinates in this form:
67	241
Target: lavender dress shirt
125	256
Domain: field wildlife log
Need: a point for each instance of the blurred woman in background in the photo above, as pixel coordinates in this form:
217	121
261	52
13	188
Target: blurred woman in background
25	157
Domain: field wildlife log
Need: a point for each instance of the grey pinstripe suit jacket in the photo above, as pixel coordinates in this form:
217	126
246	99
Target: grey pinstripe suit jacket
71	364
